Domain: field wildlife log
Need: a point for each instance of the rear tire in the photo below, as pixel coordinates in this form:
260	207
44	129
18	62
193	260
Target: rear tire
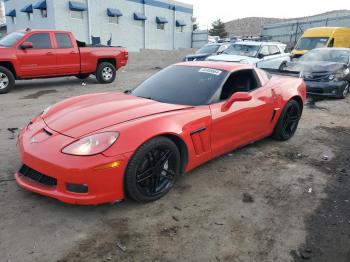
288	122
152	170
105	73
82	76
7	80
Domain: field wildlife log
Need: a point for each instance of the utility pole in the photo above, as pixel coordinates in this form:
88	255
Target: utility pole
2	12
89	22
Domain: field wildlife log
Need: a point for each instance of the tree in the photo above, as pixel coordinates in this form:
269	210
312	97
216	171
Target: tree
218	29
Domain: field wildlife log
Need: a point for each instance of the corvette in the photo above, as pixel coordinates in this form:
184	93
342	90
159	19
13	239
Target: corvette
101	148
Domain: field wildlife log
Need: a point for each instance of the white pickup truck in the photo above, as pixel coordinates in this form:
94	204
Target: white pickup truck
269	55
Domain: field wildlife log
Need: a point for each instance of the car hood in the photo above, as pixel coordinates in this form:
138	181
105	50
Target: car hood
82	115
233	58
313	67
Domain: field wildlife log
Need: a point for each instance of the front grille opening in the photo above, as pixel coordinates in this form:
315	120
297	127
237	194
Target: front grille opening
37	176
77	188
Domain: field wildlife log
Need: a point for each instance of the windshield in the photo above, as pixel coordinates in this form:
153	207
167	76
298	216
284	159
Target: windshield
243	50
183	85
208	49
308	43
326	55
10	39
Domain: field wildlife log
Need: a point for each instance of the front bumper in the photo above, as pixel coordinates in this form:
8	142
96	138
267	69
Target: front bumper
44	156
327	89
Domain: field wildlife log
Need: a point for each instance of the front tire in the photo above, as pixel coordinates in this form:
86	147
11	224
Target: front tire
283	66
288	122
345	92
106	73
152	171
7	80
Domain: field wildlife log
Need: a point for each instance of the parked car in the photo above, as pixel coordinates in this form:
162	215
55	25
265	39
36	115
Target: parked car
206	51
320	37
101	148
32	54
326	71
260	54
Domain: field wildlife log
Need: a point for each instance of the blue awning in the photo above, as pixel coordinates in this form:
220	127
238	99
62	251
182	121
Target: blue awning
114	12
77	6
180	23
161	20
140	16
27	9
11	13
40	5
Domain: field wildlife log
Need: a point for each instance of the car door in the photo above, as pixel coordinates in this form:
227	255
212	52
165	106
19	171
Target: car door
274	59
39	60
243	122
68	57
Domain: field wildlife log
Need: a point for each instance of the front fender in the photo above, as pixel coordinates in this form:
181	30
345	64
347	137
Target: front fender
192	126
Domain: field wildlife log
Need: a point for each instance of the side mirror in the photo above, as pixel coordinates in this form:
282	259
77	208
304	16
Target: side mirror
27	45
261	56
236	97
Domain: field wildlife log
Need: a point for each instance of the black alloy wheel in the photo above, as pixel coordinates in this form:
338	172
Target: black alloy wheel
152	171
288	121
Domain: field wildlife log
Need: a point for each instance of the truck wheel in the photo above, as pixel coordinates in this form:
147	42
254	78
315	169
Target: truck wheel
105	73
7	80
82	76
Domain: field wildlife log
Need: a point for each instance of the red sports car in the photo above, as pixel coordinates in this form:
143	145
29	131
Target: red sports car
104	147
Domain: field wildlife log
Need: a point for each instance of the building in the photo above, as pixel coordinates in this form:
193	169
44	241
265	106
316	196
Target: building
290	31
134	24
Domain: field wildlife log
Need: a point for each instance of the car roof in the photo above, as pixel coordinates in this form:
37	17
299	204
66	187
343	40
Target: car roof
41	30
215	44
226	66
256	43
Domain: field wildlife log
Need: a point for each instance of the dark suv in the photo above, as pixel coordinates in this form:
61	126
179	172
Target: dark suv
326	71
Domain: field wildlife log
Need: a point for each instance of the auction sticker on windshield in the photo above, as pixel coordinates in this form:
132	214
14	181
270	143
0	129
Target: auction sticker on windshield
210	71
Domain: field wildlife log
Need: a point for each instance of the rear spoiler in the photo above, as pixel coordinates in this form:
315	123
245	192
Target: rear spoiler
283	72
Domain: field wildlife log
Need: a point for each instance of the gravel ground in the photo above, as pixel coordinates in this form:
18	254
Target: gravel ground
269	201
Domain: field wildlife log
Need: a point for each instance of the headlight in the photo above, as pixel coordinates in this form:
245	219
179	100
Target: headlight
91	145
340	75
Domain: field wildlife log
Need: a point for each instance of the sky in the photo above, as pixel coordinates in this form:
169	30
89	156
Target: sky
206	11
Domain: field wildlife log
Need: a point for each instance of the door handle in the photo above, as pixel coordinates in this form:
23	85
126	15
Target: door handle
73	53
49	53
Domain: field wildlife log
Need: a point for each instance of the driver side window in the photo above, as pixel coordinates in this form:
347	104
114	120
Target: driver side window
40	41
241	81
264	51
